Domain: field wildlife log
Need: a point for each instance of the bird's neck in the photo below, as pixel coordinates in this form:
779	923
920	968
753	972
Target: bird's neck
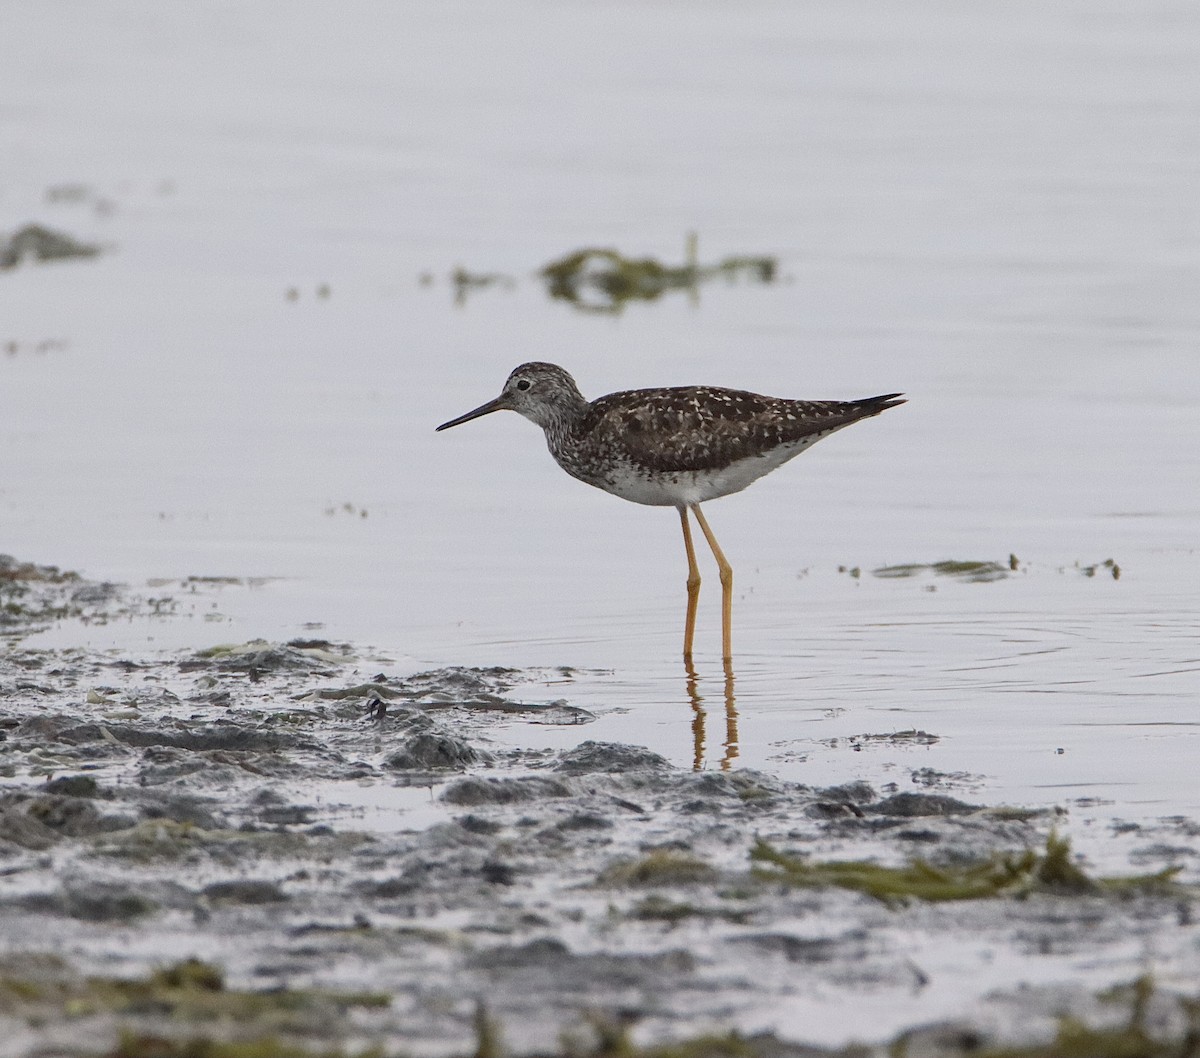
562	420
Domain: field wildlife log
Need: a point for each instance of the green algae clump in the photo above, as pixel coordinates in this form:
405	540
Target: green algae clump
600	279
1002	874
659	867
981	572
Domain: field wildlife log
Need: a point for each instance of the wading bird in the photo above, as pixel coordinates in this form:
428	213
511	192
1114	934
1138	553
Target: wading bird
675	447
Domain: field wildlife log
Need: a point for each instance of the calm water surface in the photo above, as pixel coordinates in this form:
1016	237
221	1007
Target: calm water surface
991	209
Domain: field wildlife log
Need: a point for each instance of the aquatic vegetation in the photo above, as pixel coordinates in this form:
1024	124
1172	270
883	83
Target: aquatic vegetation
602	280
657	908
975	571
978	571
187	996
323	291
1134	1038
37	346
1001	874
137	1045
1108	564
489	1042
191	973
754	792
659	867
605	1036
13	571
465	282
164	840
37	243
654	908
908	737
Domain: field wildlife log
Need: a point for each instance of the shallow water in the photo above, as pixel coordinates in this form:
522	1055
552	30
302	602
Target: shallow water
993	210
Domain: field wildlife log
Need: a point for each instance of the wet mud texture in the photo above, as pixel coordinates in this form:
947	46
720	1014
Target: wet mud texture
353	859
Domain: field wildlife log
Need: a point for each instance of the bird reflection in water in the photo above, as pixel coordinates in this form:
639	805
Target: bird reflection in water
699	720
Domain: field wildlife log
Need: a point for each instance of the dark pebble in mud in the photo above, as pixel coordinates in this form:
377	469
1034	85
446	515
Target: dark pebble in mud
476	791
591	757
245	891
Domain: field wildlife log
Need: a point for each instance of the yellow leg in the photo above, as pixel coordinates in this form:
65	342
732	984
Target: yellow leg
693	586
726	571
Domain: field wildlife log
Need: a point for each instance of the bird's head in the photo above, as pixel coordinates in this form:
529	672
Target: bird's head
543	393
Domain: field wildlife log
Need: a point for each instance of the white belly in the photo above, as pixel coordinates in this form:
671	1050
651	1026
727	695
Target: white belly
681	488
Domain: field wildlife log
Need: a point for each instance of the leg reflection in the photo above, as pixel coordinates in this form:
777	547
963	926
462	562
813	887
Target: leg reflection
699	732
693	693
731	718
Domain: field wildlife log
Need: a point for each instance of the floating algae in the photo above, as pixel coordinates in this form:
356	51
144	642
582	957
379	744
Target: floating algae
466	282
1108	565
36	243
602	280
977	571
973	571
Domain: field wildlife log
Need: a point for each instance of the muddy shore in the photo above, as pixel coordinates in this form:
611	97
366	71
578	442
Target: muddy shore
292	848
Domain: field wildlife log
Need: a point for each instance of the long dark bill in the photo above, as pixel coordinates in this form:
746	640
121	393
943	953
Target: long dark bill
499	404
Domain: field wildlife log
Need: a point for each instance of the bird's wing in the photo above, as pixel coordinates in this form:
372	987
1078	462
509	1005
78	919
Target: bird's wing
701	427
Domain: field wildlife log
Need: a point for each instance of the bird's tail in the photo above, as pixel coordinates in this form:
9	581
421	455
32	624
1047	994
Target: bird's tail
869	406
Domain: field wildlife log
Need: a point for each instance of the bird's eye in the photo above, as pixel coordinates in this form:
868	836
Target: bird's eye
524	384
